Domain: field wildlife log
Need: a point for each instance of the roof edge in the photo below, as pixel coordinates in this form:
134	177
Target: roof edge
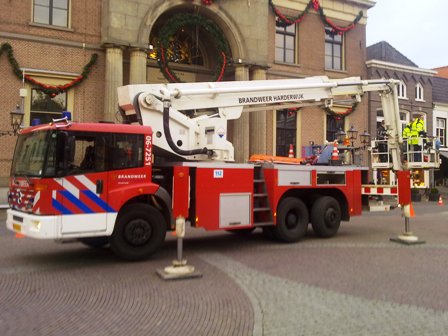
395	66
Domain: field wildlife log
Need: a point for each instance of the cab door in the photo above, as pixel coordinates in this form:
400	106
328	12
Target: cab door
84	194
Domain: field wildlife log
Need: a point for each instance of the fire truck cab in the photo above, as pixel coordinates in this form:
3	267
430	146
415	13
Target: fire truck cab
127	185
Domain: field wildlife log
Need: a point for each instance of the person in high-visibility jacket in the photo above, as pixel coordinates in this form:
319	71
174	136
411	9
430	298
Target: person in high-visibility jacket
417	129
406	134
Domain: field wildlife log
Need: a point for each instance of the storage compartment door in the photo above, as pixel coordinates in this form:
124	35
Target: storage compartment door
234	210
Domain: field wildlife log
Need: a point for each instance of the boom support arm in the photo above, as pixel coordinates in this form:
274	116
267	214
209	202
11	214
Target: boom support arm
165	107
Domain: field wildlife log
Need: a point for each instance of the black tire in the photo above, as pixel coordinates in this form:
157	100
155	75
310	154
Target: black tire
139	231
95	242
292	220
326	217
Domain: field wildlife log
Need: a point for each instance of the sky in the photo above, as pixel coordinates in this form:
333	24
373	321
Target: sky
416	28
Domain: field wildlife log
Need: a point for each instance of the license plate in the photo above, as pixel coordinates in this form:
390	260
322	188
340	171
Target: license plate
17	227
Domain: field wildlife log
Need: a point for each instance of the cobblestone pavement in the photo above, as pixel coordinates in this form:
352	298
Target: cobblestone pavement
357	283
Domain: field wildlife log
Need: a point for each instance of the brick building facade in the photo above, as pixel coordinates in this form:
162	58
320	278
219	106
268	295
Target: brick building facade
53	54
124	35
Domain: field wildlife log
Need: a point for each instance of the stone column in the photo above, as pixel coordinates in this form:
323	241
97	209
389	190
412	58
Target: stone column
240	138
258	127
138	66
114	79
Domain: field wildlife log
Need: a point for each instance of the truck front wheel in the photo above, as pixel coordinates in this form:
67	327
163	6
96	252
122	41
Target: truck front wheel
326	217
139	231
292	220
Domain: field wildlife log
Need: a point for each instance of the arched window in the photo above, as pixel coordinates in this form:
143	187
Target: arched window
402	90
419	92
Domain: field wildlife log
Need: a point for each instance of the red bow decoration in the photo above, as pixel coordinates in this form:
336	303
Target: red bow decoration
316	5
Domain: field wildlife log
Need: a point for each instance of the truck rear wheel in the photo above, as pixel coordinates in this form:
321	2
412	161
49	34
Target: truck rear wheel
139	231
292	220
326	217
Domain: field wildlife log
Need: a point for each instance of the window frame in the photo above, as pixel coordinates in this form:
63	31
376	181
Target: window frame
419	93
282	31
285	134
332	131
439	130
332	42
402	90
54	114
51	15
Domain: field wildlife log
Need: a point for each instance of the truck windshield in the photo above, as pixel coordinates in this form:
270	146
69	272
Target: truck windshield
30	155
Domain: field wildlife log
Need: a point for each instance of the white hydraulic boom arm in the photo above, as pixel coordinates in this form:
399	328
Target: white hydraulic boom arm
165	107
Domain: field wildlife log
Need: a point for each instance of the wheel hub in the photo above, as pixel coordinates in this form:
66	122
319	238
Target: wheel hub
330	217
138	232
291	220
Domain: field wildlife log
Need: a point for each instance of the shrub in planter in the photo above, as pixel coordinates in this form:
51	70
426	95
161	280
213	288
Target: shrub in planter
434	195
415	195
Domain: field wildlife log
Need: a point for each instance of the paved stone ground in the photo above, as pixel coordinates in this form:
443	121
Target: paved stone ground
357	283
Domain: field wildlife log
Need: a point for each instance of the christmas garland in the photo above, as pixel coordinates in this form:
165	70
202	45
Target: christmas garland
206	2
284	21
181	20
347	112
52	90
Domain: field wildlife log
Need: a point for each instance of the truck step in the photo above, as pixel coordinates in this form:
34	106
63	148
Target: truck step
259	224
262	209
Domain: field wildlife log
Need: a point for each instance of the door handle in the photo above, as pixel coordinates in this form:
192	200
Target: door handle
99	186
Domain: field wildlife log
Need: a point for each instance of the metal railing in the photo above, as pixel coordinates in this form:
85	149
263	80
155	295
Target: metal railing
419	152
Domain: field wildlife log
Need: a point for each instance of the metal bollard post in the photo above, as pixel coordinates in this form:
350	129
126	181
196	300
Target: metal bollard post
179	268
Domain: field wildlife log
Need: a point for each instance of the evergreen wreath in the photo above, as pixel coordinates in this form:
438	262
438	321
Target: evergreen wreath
284	21
52	90
181	20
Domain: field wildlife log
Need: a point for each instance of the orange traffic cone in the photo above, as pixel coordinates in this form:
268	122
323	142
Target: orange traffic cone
335	152
440	202
411	211
291	151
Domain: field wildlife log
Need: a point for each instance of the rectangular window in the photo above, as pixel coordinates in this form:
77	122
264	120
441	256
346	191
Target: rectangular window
334	124
51	12
286	131
441	130
127	151
285	44
333	50
45	108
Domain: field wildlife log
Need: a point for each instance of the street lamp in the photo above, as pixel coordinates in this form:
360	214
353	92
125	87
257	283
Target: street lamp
352	135
340	136
365	138
16	121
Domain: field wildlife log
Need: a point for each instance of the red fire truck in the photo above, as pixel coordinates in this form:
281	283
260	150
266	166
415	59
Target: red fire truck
170	163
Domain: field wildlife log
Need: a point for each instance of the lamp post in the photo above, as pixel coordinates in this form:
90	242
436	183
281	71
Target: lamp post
365	139
340	136
16	121
352	135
